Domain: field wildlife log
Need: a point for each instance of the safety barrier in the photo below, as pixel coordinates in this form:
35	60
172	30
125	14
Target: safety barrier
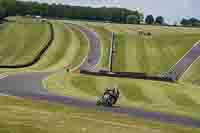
131	75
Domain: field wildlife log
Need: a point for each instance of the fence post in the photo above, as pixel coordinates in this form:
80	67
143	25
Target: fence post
111	52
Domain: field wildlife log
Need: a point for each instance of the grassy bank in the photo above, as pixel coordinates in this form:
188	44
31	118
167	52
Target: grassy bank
182	99
192	74
21	42
22	116
154	54
68	49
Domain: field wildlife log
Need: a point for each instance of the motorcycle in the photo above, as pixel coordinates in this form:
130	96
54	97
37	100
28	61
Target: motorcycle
109	98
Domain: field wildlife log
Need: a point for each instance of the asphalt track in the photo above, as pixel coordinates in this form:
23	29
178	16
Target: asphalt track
29	85
94	53
184	63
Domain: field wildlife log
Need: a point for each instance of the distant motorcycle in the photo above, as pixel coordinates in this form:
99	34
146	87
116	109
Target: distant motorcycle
109	98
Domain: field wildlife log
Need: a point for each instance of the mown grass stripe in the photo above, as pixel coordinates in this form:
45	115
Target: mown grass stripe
155	54
27	41
193	93
85	84
83	47
181	99
120	54
63	38
133	93
155	93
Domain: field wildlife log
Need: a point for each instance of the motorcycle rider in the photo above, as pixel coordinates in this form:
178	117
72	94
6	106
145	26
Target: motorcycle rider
113	95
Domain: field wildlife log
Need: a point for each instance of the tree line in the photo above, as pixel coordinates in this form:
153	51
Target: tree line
118	15
190	22
193	22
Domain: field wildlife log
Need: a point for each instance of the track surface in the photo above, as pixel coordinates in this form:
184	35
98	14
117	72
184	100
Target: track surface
94	53
182	65
29	85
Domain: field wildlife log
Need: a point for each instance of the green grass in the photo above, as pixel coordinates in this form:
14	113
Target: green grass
83	47
137	91
84	85
21	42
68	49
22	116
150	95
156	30
192	75
153	55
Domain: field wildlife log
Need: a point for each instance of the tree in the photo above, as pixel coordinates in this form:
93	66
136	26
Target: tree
133	19
2	13
184	22
141	17
194	22
149	19
9	7
160	20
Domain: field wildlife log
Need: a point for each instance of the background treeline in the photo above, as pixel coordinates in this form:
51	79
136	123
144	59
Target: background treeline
190	22
118	15
160	20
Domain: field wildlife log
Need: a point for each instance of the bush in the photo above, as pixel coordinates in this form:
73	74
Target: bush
133	19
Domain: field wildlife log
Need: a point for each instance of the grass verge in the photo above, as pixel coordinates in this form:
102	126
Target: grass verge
150	95
22	116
